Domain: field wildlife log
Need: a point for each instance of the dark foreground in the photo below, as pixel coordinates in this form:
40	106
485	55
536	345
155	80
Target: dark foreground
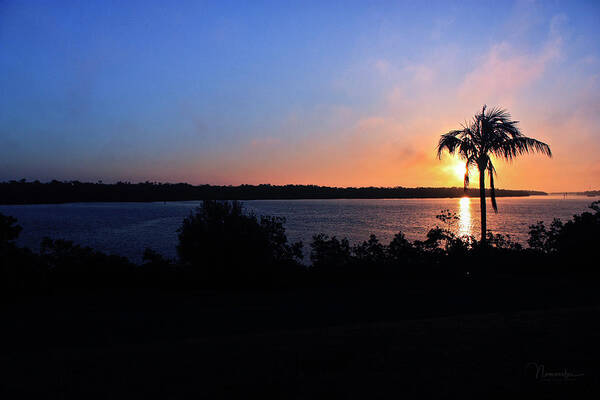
376	340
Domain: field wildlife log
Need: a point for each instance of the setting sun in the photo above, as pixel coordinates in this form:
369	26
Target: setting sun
456	169
460	169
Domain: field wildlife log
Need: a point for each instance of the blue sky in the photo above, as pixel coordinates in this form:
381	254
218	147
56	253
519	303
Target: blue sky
335	93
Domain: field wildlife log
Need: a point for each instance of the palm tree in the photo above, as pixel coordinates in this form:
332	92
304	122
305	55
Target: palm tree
490	133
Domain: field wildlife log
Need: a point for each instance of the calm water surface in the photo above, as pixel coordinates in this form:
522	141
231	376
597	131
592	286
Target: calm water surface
128	228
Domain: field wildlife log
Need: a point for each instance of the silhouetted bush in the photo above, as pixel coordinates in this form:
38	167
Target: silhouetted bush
580	235
152	259
401	250
9	230
573	243
20	269
75	266
502	242
400	258
330	253
371	252
545	240
222	243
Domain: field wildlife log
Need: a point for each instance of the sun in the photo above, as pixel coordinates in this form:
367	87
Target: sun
455	170
459	169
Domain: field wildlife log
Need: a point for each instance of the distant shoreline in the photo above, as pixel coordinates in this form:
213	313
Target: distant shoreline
55	192
589	193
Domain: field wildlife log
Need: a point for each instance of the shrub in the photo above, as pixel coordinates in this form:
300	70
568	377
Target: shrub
9	230
74	266
329	253
576	238
222	242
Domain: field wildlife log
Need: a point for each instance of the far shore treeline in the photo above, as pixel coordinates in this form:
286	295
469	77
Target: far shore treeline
35	192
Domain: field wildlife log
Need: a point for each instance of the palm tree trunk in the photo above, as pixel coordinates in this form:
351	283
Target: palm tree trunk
482	203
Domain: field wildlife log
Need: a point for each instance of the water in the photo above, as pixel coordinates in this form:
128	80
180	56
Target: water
128	228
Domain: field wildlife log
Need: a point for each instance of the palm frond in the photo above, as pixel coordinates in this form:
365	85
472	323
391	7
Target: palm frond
470	161
491	172
466	181
529	145
516	146
450	142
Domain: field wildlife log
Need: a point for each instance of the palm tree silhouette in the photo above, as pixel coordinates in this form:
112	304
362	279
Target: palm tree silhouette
490	133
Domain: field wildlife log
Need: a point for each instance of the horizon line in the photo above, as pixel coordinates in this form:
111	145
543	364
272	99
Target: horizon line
114	182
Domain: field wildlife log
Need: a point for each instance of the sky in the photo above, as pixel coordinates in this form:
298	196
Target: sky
330	93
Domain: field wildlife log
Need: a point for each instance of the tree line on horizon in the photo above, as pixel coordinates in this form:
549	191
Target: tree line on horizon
36	192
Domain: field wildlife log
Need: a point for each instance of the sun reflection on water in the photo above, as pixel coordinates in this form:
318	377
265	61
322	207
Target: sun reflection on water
465	221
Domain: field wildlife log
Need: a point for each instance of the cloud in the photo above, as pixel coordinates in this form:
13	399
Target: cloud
421	73
505	70
503	73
